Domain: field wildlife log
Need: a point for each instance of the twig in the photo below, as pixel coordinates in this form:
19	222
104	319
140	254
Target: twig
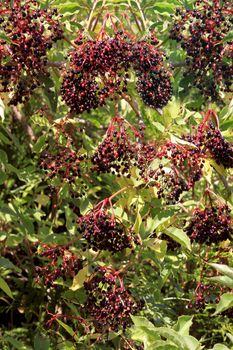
133	104
178	64
25	125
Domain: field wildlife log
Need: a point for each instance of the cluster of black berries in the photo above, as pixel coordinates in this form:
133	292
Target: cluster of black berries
104	232
205	294
99	69
61	263
153	81
210	225
218	148
61	162
30	32
109	303
116	153
210	141
202	33
181	169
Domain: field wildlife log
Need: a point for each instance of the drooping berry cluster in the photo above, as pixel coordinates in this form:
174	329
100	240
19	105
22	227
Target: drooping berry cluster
210	225
105	232
210	140
180	167
61	162
116	154
61	263
109	303
99	69
202	32
205	294
30	32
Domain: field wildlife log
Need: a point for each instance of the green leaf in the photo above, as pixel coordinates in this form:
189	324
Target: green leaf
16	344
41	343
3	157
220	347
224	269
40	120
138	222
3	177
226	302
80	278
68	329
40	144
173	336
223	280
7	264
228	37
179	236
183	324
6	289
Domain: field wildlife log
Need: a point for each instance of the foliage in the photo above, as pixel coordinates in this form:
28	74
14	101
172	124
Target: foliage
116	175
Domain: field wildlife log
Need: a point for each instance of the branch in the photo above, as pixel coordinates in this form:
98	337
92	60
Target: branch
178	64
24	123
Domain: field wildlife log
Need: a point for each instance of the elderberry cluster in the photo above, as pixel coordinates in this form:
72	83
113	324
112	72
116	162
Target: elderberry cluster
210	140
30	32
116	154
202	32
100	69
181	168
210	225
219	149
104	232
109	303
205	294
61	263
61	162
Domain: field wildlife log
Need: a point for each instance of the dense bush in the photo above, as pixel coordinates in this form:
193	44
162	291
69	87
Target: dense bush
116	175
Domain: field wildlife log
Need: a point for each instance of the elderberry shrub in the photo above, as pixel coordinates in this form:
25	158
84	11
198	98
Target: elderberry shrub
202	32
31	33
116	154
61	263
109	303
104	232
210	225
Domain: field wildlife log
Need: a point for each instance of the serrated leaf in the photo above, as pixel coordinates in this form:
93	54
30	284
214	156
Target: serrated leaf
226	302
220	347
6	289
3	177
40	143
3	157
40	120
80	278
173	336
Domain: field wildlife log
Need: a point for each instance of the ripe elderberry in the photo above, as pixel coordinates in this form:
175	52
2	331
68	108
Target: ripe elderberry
201	32
210	225
109	303
61	263
31	33
104	232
